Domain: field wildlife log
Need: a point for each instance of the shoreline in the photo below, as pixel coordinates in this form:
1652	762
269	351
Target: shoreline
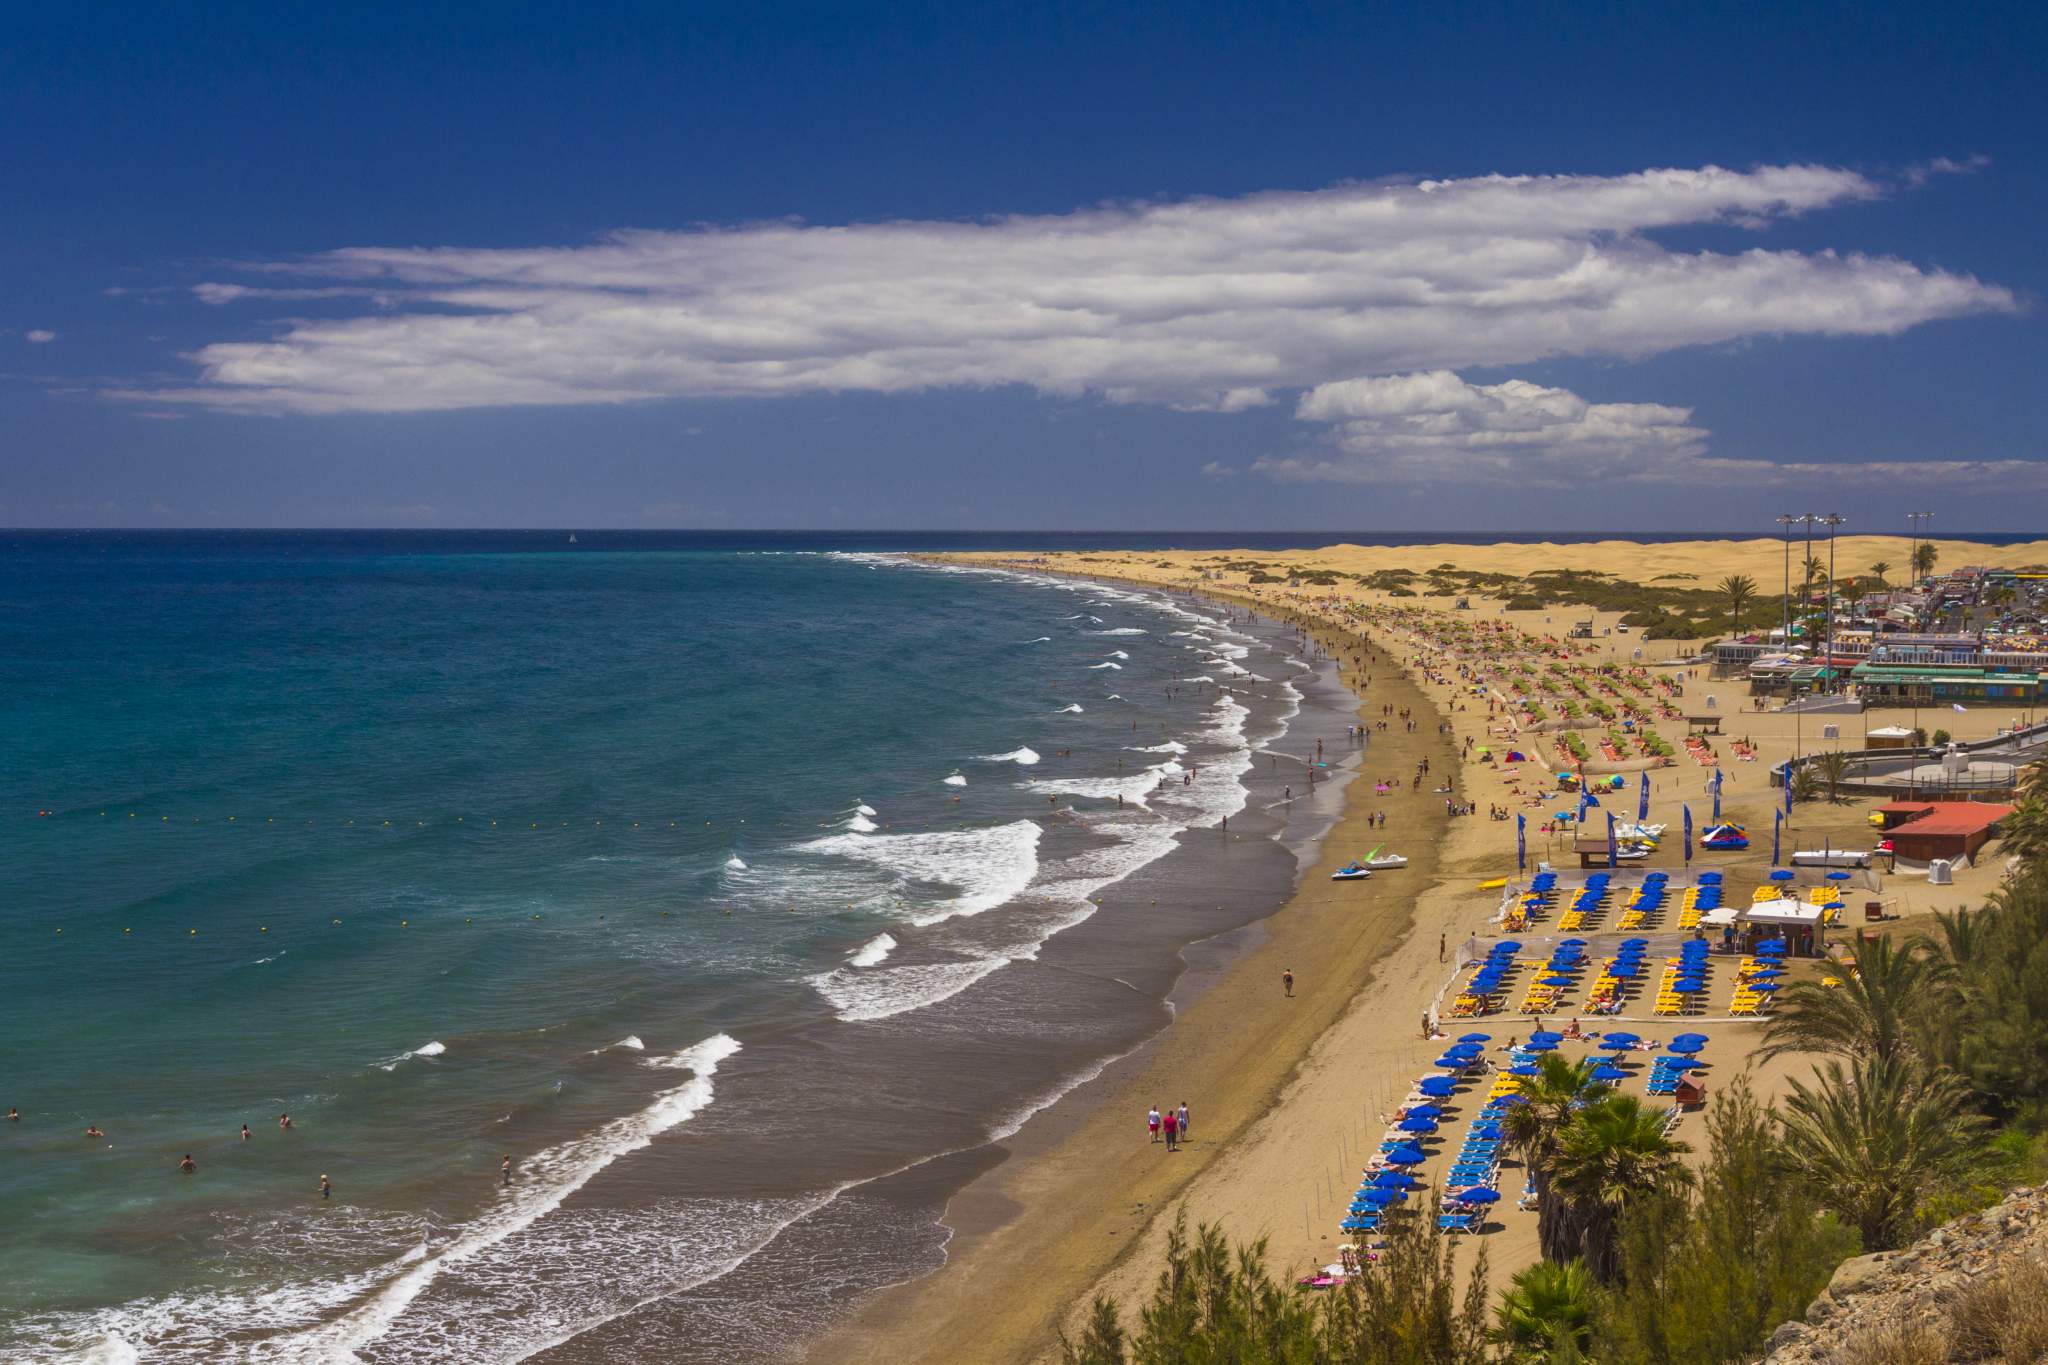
1232	1051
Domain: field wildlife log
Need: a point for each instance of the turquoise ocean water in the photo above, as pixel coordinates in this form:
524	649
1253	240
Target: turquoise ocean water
713	886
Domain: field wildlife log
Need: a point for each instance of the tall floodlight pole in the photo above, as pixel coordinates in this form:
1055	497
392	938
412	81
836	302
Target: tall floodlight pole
1833	521
1785	521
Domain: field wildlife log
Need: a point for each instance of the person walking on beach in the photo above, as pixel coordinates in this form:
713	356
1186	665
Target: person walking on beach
1152	1123
1171	1125
1287	980
1183	1116
1442	942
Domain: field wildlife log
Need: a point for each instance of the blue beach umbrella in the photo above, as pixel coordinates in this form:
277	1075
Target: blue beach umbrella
1452	1062
1616	1045
1486	1130
1437	1087
1689	987
1393	1180
1480	1195
1624	970
1412	1125
1765	986
1606	1072
1406	1156
1623	1038
1525	1070
1544	1035
1425	1111
1556	981
1380	1198
1687	1045
1782	874
1679	1063
1475	1037
1539	1045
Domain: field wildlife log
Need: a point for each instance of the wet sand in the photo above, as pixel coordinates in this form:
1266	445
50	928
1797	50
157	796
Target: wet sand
1080	1192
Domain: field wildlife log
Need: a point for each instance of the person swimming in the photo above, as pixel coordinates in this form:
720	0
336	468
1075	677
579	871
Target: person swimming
245	1132
188	1165
94	1131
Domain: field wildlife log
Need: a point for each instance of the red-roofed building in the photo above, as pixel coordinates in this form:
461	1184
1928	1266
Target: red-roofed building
1950	829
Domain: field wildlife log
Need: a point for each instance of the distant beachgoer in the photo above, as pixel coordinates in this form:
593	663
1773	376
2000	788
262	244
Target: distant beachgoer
1287	980
284	1121
14	1116
1152	1123
1171	1125
1183	1120
94	1131
505	1170
1442	944
326	1189
188	1165
245	1132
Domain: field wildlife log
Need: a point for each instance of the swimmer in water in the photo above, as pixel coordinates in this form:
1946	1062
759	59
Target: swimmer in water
284	1121
505	1170
245	1132
94	1132
188	1165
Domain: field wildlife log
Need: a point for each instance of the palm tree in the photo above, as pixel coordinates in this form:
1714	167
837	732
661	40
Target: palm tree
1546	1312
1612	1154
1875	1140
2026	829
1805	783
1532	1126
1739	589
1833	768
1879	570
1816	572
1924	557
1880	1010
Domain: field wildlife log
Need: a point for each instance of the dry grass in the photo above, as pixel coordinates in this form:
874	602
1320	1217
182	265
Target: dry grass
2003	1316
1897	1342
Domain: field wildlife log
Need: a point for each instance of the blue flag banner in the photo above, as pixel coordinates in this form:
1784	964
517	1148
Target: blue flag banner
1522	843
1777	828
1643	801
1688	836
1612	851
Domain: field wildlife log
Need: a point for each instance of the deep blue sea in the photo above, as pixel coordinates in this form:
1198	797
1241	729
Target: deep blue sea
717	885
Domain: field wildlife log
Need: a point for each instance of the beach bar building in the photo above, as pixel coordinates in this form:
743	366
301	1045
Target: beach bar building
1930	684
1954	830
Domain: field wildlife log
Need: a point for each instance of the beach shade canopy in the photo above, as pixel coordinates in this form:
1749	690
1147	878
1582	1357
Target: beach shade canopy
1415	1125
1437	1086
1691	1042
1393	1180
1765	986
1466	1049
1380	1198
1556	979
1624	970
1424	1111
1766	973
1692	986
1772	945
1475	1037
1679	1063
1571	943
1616	1045
1608	1072
1838	876
1623	1038
1479	1195
1452	1062
1539	1045
1635	943
1544	1035
1508	947
1486	1130
1406	1156
1781	874
1525	1070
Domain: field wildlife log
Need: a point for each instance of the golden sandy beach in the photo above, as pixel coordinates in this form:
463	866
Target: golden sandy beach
1287	1094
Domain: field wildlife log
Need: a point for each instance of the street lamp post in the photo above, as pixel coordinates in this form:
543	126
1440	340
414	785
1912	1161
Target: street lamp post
1833	521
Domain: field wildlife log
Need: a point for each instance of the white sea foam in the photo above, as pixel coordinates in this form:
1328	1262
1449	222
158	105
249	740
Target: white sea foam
733	864
866	810
1199	677
1104	664
873	952
1023	754
631	1043
1135	788
433	1049
880	993
1118	654
860	824
985	867
547	1180
1121	630
956	780
1172	746
1041	640
1073	710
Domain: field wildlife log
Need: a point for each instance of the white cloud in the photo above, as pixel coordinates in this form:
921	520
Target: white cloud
39	336
1216	469
1435	427
1206	304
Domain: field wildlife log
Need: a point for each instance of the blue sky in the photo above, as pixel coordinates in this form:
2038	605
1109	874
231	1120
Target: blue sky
1150	267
